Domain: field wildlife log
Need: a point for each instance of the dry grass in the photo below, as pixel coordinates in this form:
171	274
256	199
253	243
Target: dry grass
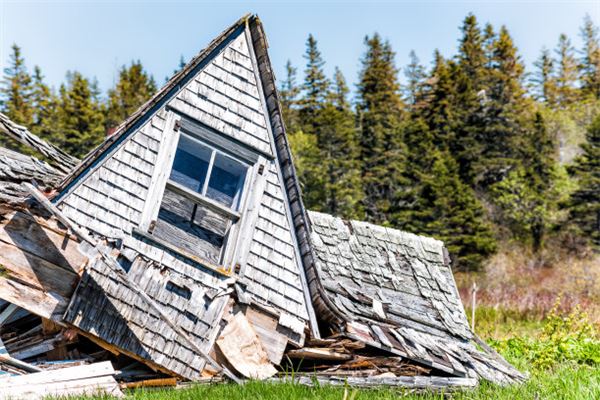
529	286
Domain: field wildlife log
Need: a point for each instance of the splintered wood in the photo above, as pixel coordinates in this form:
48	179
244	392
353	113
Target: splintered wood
241	347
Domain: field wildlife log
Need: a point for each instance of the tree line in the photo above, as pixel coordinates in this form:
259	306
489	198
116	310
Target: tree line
472	150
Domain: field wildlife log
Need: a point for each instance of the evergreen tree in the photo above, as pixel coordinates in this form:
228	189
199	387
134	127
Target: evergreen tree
527	197
379	109
504	110
415	75
289	92
439	110
306	155
544	80
448	210
567	74
469	78
590	62
337	142
16	89
81	116
44	102
134	87
315	87
584	205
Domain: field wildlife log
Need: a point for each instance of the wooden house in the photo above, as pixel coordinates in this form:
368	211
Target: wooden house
182	242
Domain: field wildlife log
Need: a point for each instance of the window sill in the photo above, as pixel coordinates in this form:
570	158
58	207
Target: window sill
173	248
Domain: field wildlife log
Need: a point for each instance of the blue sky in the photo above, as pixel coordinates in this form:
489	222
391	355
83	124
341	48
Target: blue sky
97	37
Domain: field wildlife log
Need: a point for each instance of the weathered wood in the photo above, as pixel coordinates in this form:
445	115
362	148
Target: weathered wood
7	313
265	327
161	382
37	301
57	157
85	379
162	170
242	349
316	353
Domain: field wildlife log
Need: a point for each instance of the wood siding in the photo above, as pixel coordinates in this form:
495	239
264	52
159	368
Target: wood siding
223	95
110	201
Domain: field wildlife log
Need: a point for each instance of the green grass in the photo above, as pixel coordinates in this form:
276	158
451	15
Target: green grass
566	382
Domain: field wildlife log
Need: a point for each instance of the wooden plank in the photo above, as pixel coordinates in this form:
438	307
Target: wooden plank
242	348
62	382
34	271
23	231
36	301
317	353
265	327
7	313
162	170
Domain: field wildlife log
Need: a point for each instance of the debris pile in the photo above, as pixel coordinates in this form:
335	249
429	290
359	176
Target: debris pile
179	250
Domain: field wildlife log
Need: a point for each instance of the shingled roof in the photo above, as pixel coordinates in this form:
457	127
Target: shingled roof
395	291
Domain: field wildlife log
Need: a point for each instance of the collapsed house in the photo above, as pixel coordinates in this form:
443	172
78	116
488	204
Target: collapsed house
181	244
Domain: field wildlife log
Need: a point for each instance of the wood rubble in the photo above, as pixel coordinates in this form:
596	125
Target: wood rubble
116	275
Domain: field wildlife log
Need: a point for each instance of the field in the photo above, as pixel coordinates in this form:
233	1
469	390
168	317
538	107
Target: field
542	322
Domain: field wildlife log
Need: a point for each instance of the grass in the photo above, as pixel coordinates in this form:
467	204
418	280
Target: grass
565	382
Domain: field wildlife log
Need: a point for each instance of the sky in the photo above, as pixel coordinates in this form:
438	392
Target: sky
97	37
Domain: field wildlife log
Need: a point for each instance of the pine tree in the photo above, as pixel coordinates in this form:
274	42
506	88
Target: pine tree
567	74
527	197
337	142
584	205
379	109
306	155
16	89
315	88
415	75
590	62
504	109
134	87
44	102
439	110
448	210
81	116
289	92
544	80
469	77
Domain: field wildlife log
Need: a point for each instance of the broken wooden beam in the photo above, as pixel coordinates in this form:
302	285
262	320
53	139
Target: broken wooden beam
319	353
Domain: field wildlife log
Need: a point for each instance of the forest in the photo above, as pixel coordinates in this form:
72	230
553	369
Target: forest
473	150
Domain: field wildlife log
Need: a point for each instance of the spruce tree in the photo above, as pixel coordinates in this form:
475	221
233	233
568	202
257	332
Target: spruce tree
567	71
315	88
439	110
45	103
544	80
337	142
590	62
379	108
415	75
81	116
134	87
584	205
288	94
16	89
527	197
15	97
449	210
469	78
504	111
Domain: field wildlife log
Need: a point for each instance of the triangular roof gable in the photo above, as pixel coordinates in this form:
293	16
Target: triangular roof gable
93	193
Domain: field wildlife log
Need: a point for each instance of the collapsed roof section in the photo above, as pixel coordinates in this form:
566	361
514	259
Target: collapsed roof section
189	227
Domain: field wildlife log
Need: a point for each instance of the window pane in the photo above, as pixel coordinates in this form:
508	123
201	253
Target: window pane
226	181
191	163
190	227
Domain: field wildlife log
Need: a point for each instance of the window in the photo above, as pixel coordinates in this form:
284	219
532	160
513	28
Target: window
201	199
